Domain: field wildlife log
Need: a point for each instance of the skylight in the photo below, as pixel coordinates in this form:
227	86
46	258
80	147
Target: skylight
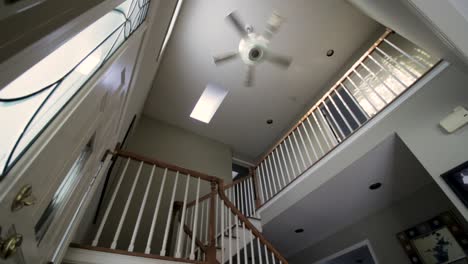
209	102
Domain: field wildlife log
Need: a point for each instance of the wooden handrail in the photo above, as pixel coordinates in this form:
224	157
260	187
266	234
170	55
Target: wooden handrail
316	105
238	181
248	224
162	164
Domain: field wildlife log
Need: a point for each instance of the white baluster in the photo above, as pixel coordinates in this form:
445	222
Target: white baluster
310	141
277	172
195	224
281	166
250	198
245	243
299	151
295	156
347	107
169	217
178	253
222	231
142	208
237	238
230	236
260	259
261	188
265	179
155	215
127	204
272	178
315	137
273	258
252	253
291	164
111	203
266	254
332	116
306	150
324	135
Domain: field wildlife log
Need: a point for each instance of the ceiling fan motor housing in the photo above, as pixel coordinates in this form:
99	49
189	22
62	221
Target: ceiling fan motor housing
252	49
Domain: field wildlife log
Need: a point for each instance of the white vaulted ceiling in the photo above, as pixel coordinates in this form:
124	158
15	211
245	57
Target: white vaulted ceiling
311	28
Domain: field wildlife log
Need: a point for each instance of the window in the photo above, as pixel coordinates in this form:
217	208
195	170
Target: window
33	100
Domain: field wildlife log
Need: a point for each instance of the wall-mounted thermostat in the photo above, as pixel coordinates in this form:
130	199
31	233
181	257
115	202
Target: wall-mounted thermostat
454	121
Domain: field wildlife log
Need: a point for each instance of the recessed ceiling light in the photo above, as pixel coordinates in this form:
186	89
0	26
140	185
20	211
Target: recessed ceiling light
209	102
299	230
330	52
375	186
269	121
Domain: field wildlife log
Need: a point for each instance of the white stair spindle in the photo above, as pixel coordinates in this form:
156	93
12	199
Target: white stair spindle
267	183
169	216
273	258
266	254
230	236
333	139
281	166
347	108
310	141
142	208
272	175
342	135
323	134
222	231
245	243
111	203
306	150
252	253
261	188
195	224
260	259
295	156
127	204
251	198
178	253
291	164
363	93
315	137
155	215
340	113
237	238
277	172
299	151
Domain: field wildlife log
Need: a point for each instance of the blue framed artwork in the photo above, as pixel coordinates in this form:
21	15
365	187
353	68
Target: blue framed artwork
440	240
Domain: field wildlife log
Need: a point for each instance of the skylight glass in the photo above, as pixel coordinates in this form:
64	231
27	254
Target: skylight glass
209	102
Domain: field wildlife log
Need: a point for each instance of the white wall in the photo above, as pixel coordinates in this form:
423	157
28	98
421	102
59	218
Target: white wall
381	228
171	144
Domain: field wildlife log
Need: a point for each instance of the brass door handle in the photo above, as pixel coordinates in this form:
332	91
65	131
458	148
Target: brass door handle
9	246
23	198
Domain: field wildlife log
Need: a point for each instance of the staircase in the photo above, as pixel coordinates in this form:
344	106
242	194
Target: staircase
179	224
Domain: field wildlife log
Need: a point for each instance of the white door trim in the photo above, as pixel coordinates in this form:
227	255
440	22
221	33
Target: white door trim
349	249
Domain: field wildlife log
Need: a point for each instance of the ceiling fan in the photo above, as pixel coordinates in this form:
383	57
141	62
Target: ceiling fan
253	48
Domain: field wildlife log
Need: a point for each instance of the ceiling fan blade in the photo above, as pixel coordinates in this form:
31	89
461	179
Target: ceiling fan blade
249	75
280	60
234	19
225	57
273	24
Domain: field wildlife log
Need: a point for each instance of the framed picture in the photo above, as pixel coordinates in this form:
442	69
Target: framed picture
440	240
457	180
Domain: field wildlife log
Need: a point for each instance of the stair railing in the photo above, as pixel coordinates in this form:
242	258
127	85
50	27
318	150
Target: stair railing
198	227
383	73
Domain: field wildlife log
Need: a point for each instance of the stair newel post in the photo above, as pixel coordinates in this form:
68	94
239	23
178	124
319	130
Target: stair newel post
256	188
211	250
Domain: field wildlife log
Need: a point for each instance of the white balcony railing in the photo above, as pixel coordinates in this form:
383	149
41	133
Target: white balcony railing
390	67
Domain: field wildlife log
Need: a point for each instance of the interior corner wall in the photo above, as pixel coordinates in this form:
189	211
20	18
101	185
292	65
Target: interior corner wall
381	228
159	140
